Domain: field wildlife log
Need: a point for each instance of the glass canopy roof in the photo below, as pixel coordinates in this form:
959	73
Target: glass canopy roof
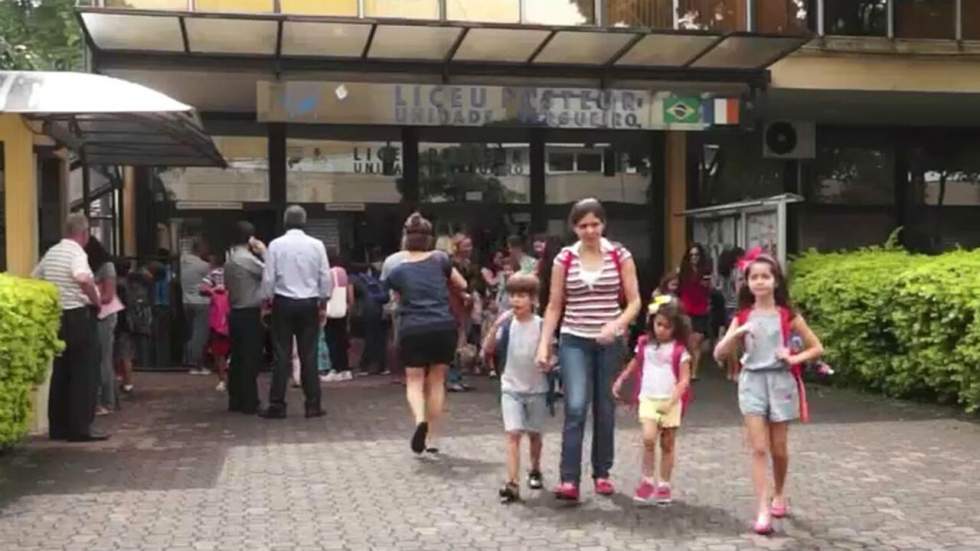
283	38
108	121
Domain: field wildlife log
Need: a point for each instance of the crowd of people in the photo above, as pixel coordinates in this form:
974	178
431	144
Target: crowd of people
563	317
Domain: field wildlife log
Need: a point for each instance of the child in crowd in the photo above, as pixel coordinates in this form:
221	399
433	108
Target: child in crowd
661	373
669	286
728	283
770	387
219	344
513	341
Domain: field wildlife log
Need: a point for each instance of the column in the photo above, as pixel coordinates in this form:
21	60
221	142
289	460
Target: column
277	171
20	203
128	203
410	167
675	223
658	204
536	158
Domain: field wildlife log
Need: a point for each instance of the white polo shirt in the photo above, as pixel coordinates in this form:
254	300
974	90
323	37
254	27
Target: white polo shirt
61	265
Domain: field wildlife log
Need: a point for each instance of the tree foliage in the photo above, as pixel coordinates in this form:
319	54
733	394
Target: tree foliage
39	35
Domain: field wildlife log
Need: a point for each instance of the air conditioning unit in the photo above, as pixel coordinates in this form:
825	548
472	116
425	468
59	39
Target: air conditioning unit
789	140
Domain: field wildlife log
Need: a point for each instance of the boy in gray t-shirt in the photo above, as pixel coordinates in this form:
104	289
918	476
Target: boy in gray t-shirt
513	340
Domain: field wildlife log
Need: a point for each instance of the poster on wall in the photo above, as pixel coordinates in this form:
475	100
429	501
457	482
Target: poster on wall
716	234
762	230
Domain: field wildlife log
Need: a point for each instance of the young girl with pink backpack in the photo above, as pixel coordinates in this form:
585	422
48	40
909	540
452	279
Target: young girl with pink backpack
770	386
661	381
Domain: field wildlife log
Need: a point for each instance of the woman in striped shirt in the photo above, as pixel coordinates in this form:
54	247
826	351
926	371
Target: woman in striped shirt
589	282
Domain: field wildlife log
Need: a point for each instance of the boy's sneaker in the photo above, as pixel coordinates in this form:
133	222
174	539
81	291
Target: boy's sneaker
663	494
567	491
645	493
222	387
510	493
346	375
534	480
604	487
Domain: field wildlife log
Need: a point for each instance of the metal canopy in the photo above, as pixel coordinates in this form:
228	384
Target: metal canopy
108	121
133	38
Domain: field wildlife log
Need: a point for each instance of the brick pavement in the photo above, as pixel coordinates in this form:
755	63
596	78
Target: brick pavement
182	474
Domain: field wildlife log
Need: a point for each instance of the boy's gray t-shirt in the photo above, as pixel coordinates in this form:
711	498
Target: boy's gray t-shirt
521	373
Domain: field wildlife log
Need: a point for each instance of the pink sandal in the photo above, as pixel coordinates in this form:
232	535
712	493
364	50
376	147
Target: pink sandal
763	525
779	511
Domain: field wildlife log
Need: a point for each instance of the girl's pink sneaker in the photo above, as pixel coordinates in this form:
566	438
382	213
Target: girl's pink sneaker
763	525
567	491
779	511
645	492
604	487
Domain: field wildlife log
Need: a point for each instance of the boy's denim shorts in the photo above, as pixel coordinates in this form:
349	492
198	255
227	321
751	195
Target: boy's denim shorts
523	412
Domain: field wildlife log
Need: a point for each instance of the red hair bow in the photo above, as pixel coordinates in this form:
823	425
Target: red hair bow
749	257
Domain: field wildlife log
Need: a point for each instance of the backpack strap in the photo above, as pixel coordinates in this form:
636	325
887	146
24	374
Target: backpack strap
641	349
675	364
786	317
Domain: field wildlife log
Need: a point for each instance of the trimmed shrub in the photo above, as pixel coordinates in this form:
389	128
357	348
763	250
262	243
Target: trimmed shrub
29	320
903	324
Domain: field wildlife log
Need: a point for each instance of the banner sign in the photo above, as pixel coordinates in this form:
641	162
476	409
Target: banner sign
471	105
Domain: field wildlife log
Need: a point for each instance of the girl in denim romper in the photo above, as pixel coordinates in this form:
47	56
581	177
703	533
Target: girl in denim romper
767	390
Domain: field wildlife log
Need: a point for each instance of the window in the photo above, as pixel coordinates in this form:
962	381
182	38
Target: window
474	173
925	18
143	4
589	162
328	171
235	6
496	11
560	12
405	9
971	19
732	168
785	16
245	179
712	15
346	8
846	174
657	14
856	17
614	172
561	162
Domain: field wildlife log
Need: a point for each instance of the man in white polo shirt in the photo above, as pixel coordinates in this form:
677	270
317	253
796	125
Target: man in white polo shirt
75	378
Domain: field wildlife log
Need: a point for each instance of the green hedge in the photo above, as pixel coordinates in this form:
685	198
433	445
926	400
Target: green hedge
903	324
29	319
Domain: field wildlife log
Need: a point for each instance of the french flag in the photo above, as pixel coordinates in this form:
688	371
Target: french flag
721	111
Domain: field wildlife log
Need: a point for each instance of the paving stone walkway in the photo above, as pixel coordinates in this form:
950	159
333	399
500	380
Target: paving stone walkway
180	473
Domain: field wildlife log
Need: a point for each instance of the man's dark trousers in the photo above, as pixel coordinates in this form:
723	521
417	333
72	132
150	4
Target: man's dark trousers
245	325
295	318
75	376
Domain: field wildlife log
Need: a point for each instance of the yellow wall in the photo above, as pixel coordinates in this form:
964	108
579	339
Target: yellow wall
240	6
676	224
20	184
343	8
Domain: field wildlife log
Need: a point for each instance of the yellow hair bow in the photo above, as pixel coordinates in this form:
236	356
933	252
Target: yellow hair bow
657	303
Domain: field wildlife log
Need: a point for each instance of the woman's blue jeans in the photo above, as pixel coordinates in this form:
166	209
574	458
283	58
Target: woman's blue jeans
588	370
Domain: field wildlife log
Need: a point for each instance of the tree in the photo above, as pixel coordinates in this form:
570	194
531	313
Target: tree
39	35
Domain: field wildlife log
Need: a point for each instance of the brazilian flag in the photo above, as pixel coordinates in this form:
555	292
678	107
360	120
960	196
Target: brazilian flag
682	110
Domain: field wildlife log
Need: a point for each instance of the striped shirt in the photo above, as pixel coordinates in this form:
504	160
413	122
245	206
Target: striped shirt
61	265
591	302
